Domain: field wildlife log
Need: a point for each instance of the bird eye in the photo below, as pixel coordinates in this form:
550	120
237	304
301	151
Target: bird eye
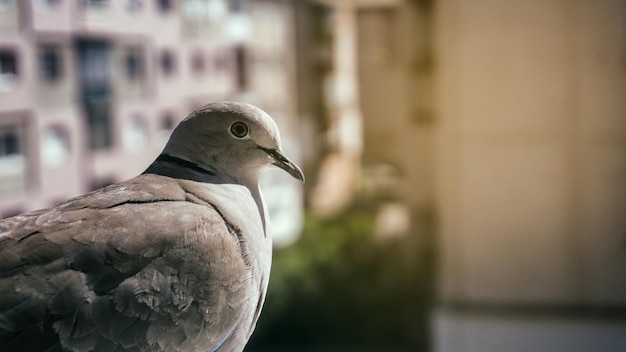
239	130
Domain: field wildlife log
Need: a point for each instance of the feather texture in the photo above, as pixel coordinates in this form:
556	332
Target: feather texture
114	265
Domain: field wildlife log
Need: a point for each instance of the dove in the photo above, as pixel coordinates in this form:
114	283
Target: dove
175	259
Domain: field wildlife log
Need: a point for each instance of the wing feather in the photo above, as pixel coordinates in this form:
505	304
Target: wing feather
140	263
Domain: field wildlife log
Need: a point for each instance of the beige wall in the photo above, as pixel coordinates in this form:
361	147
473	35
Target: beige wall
531	162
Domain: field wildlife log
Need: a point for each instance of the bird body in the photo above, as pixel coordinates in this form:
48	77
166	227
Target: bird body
176	259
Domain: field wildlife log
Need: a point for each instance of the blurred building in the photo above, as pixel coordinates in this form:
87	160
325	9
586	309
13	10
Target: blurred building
90	90
366	69
506	121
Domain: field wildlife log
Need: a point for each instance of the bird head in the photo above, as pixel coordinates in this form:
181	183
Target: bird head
235	141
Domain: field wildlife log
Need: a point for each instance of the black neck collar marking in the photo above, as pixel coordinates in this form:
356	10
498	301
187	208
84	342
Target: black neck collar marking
184	164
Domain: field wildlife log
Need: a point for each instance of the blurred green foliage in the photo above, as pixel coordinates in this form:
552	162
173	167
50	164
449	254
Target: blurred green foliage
341	286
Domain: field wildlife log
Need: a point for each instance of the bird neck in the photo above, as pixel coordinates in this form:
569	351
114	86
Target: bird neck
177	167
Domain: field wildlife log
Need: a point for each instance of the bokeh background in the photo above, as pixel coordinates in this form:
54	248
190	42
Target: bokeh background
465	159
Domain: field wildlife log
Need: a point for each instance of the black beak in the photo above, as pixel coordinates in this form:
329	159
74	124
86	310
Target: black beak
280	160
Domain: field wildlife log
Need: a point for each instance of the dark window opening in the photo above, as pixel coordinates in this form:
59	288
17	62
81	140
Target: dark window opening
165	5
134	63
98	113
9	142
95	85
167	122
13	160
8	63
50	63
167	63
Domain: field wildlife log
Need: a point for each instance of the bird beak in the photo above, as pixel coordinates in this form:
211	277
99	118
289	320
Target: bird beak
280	160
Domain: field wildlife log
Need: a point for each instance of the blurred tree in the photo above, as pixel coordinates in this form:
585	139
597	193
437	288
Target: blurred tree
340	286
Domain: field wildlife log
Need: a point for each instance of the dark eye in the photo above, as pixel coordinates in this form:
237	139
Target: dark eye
239	129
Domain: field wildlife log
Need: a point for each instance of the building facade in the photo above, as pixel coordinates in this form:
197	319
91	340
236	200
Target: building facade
506	122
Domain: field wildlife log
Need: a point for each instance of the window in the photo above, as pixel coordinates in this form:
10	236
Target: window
166	126
12	159
8	70
134	62
94	76
167	122
9	142
167	62
55	147
98	111
197	62
135	134
165	5
50	63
